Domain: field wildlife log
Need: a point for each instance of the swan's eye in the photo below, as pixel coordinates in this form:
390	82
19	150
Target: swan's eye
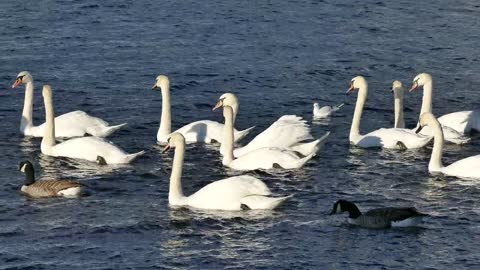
20	77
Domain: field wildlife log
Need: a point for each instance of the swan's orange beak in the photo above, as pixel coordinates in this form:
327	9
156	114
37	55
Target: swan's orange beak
17	82
350	89
414	86
166	148
218	105
155	86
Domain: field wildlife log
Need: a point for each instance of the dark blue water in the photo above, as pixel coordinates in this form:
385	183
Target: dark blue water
278	57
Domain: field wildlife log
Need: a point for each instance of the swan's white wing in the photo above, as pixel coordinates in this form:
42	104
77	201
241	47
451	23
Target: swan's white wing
285	132
265	158
449	134
204	131
72	124
227	194
467	167
89	148
460	121
389	138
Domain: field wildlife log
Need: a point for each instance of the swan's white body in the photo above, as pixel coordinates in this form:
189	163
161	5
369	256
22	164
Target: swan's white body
450	134
287	132
462	122
205	131
72	124
384	137
234	193
261	158
324	111
467	167
87	148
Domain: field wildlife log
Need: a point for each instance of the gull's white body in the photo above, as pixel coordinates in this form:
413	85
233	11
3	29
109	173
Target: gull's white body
384	137
260	158
72	124
87	148
324	111
466	168
205	131
234	193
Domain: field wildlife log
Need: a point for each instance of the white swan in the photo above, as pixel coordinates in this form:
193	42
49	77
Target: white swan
261	158
200	131
234	193
287	132
450	134
384	137
88	148
467	167
324	111
72	124
463	121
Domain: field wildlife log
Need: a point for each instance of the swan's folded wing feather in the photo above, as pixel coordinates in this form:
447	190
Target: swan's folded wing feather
467	167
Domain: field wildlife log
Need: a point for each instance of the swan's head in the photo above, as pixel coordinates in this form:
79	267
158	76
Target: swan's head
397	87
425	119
227	99
174	140
316	105
161	82
420	80
22	78
47	93
356	83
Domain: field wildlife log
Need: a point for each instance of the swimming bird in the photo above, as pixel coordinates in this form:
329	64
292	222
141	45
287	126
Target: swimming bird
72	124
205	131
324	111
88	148
466	168
47	188
379	218
233	193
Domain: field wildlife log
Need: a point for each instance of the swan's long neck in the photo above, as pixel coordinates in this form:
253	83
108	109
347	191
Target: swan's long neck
357	115
48	140
27	121
399	119
436	158
227	140
165	119
427	98
176	192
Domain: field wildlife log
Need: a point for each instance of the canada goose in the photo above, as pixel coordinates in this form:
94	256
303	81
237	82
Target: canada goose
380	217
101	160
47	188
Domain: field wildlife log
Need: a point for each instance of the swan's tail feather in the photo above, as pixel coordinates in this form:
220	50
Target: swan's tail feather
459	140
242	133
307	149
130	157
259	202
105	131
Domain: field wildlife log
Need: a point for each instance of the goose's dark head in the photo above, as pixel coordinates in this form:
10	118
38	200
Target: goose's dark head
27	168
101	160
341	206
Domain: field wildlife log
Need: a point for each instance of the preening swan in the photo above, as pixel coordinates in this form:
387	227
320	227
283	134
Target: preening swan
467	167
205	131
384	137
261	158
289	131
234	193
88	148
463	121
450	134
47	188
72	124
379	218
324	111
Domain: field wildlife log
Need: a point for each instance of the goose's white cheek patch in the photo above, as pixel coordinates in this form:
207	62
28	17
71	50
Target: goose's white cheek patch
23	168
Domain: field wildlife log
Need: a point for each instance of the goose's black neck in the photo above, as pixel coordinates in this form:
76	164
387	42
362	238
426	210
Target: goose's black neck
353	211
29	176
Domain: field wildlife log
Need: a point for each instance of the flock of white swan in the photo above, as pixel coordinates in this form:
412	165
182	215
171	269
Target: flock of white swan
286	143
